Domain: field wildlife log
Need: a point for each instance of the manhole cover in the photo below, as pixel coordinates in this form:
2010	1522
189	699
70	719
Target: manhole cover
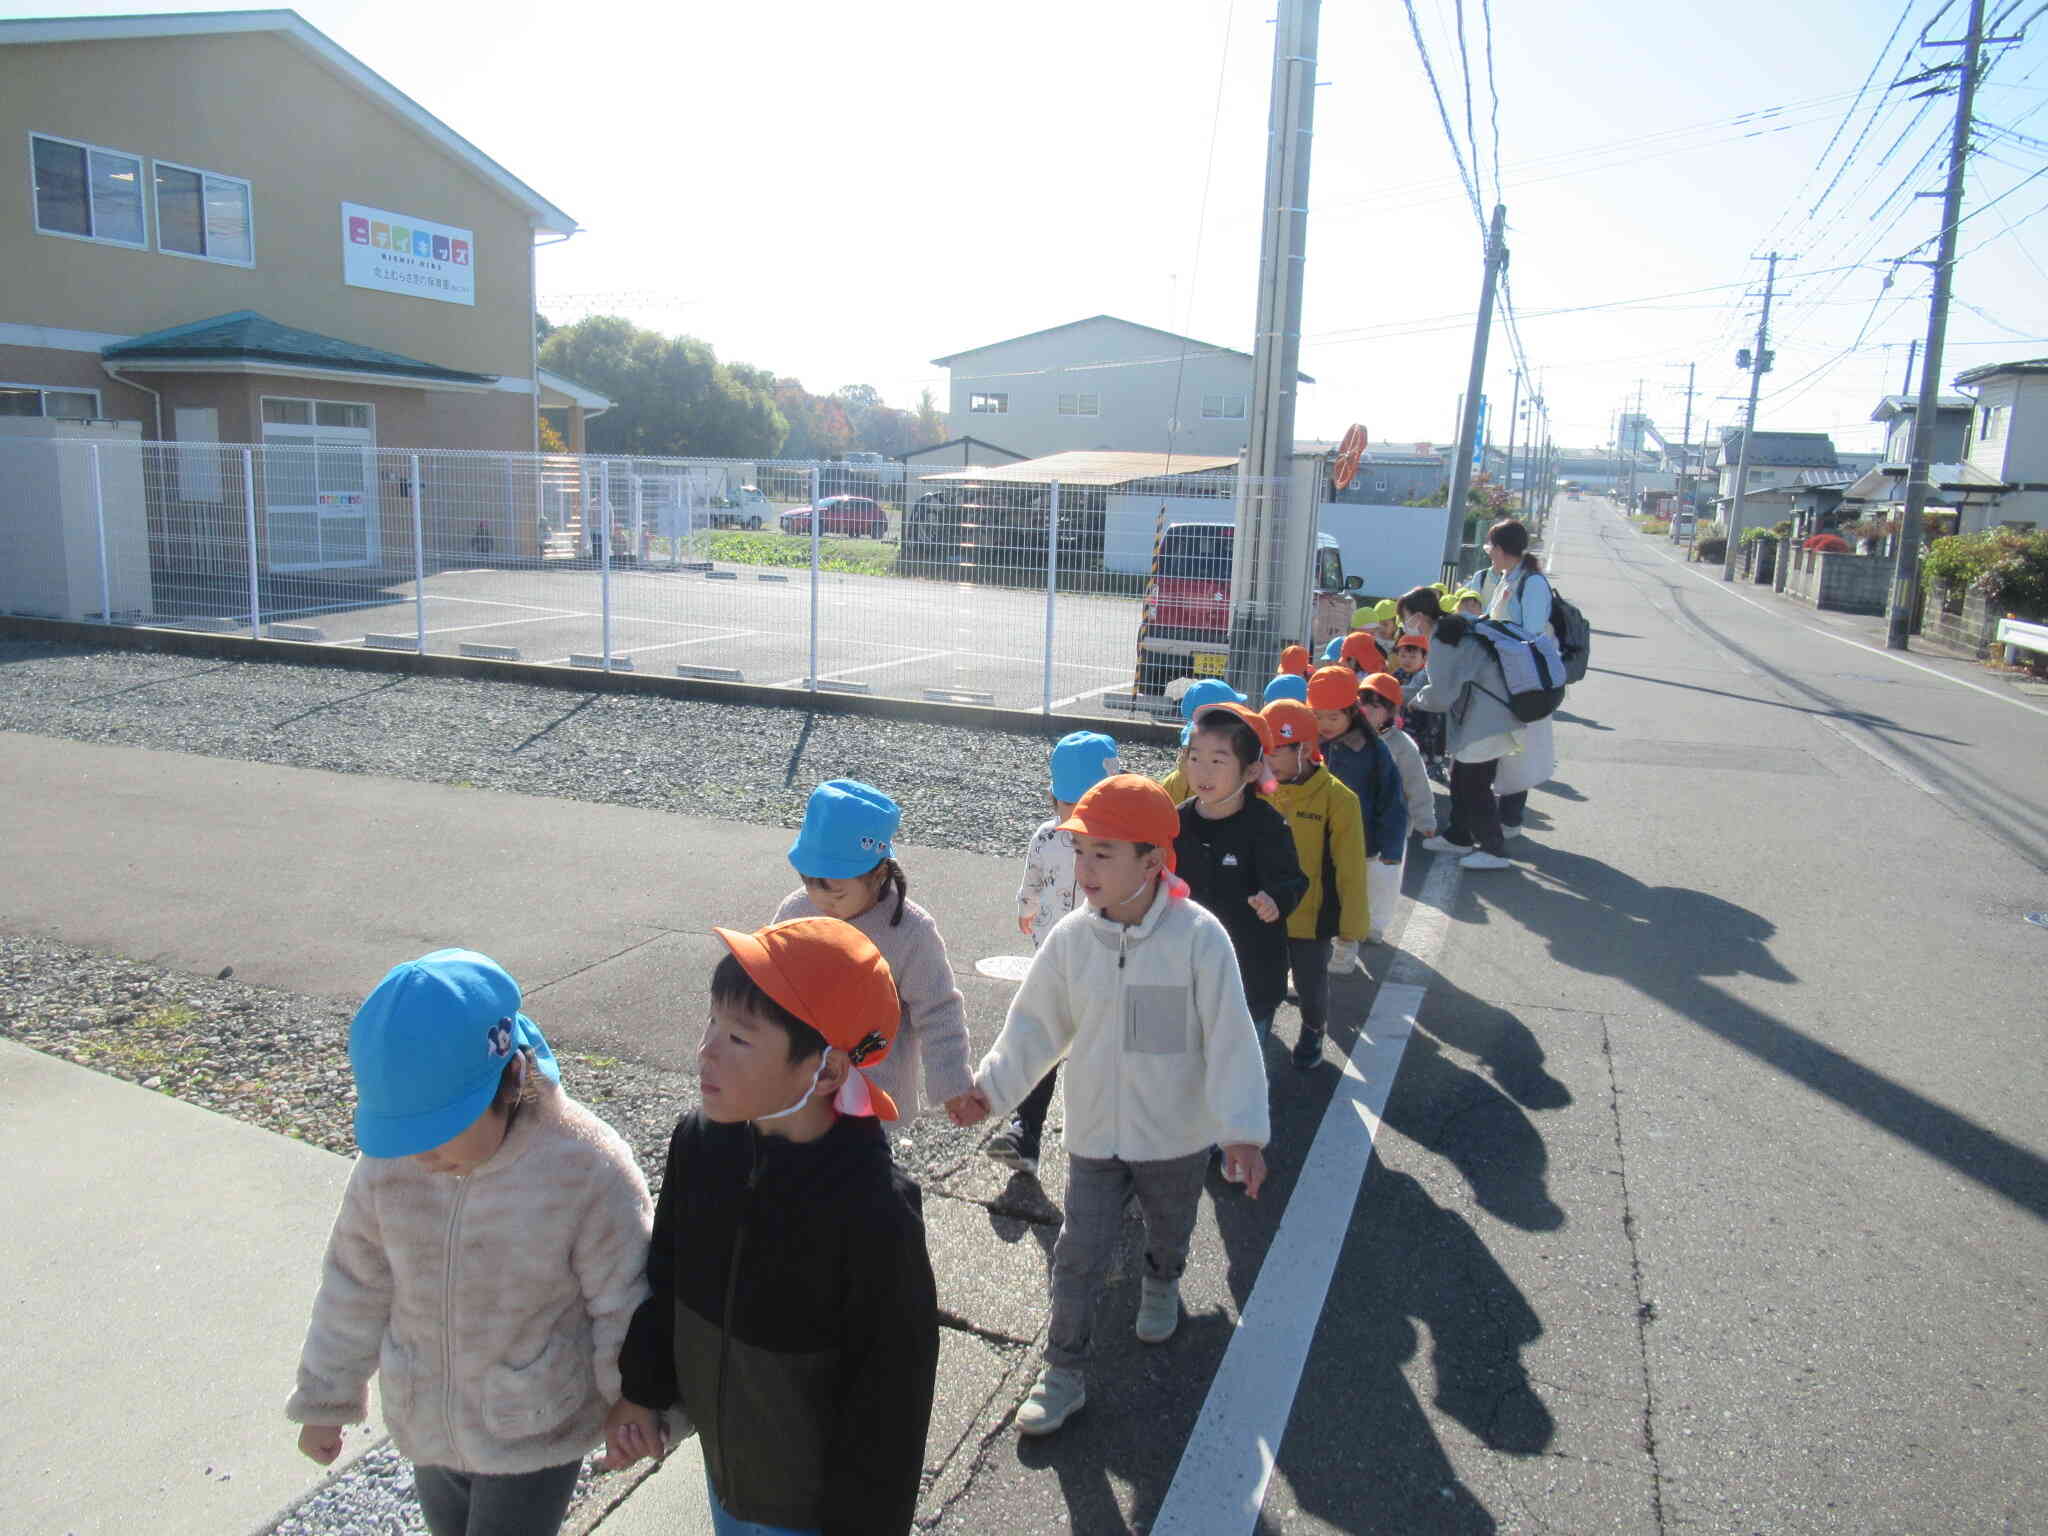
2038	919
1004	967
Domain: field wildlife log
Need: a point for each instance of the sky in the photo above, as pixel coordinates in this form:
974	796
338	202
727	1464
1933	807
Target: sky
841	193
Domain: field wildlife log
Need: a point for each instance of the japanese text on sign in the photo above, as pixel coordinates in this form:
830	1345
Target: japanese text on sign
397	253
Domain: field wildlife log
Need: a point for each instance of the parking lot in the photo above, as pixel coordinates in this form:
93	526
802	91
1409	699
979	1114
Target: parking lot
880	634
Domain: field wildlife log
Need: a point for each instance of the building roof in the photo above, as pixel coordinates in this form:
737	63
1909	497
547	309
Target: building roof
248	342
1990	370
1095	467
1887	482
1187	344
1906	405
336	59
960	442
1785	450
572	393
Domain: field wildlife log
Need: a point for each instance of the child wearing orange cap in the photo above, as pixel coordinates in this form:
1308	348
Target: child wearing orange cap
1329	842
1356	755
1294	660
1140	996
794	1318
1361	653
1236	852
1410	667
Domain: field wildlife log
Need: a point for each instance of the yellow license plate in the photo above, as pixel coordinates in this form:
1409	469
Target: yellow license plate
1210	663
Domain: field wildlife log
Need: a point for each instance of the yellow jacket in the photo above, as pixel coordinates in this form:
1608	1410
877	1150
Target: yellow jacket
1329	839
1176	784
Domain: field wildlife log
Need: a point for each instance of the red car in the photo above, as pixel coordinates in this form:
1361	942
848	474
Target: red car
857	517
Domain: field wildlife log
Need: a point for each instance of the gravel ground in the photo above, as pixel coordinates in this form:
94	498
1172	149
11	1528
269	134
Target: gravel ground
696	757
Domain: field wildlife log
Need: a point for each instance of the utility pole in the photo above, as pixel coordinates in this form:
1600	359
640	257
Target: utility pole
1906	581
1507	465
1276	532
1468	417
1912	351
1684	485
1757	366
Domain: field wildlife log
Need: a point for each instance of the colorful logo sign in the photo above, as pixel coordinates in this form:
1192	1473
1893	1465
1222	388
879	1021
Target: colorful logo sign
398	253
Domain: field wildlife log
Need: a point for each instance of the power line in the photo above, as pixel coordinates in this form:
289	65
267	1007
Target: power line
1493	90
1465	73
1443	114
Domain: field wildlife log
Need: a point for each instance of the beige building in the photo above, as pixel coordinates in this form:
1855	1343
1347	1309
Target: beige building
225	228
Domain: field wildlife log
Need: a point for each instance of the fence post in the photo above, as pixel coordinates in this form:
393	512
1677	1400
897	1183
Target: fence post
99	522
604	569
1052	583
817	516
249	521
419	558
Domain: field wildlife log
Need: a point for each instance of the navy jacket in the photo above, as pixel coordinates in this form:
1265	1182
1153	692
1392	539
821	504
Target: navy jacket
1371	773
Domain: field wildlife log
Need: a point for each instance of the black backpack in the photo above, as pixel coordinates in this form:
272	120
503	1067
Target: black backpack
1574	633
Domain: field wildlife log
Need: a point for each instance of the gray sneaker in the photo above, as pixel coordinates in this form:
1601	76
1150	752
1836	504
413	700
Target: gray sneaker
1158	1309
1055	1397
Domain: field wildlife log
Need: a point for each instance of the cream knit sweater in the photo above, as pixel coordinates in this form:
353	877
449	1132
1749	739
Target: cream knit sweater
491	1307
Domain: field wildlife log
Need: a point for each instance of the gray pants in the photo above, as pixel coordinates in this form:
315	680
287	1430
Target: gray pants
1169	1194
495	1504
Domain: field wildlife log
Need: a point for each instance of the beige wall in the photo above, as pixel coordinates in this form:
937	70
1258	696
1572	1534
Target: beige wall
260	107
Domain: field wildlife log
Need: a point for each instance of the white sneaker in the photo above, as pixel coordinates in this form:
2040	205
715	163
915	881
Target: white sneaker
1508	833
1444	845
1158	1309
1056	1397
1479	858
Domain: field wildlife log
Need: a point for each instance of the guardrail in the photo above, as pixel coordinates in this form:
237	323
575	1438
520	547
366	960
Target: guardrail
2019	635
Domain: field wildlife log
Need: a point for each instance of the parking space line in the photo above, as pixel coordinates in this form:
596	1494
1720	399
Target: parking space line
666	645
1220	1485
873	666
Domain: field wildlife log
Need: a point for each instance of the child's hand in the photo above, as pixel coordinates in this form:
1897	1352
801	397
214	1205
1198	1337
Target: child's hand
1245	1164
1267	908
969	1108
1024	924
320	1442
630	1432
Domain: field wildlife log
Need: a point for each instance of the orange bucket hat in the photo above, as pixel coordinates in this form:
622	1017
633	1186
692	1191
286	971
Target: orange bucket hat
1293	724
1295	659
1362	650
1129	808
1387	686
1333	687
1260	726
830	975
1420	642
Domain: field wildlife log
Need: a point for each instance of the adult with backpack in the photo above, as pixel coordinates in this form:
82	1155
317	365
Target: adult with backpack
1519	593
1468	687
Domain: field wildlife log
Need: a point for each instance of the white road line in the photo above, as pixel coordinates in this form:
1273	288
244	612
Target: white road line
1893	656
666	645
1075	698
873	666
1220	1485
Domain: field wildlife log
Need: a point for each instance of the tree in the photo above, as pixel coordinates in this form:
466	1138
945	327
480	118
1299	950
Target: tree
931	421
670	394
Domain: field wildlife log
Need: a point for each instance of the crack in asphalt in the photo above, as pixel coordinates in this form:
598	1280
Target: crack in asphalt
1646	1310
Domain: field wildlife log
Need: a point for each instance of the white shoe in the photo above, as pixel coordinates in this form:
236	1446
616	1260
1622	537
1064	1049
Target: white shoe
1479	858
1055	1397
1444	845
1508	832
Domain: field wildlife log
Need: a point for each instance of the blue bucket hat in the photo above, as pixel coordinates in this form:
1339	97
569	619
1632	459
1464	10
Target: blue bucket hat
1286	686
1080	761
849	827
429	1046
1334	649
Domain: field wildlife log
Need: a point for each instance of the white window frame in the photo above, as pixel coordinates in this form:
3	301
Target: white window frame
1223	411
1080	405
58	389
987	403
36	203
156	214
1994	423
312	424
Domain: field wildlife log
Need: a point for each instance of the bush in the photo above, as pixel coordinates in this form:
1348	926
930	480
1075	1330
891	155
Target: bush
1758	536
1711	549
1827	544
850	557
2016	579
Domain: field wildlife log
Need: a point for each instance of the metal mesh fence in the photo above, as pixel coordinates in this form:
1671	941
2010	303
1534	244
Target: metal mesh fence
963	585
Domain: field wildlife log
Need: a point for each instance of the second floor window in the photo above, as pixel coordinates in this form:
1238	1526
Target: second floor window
86	192
1080	405
201	213
1992	419
989	405
1223	407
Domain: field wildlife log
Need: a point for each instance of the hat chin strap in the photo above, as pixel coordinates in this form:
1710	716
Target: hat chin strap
853	1097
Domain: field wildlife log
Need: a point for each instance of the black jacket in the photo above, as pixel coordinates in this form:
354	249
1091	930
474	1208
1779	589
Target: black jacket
1224	861
795	1318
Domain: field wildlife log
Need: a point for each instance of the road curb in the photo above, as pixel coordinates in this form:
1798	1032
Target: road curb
580	680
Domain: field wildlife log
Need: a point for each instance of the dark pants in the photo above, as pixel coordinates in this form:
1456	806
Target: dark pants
1169	1198
1310	961
1030	1115
1512	808
495	1504
1475	814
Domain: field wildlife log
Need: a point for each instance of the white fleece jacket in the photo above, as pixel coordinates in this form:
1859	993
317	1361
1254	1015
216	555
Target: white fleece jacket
492	1306
1161	1057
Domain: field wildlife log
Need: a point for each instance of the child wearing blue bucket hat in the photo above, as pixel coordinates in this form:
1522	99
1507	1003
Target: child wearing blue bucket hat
845	854
1286	685
489	1254
1050	891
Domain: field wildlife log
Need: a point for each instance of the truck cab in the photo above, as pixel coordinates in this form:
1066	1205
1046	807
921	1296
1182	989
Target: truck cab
1188	634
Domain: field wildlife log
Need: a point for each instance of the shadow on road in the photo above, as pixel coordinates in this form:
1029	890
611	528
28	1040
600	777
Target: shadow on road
1668	943
1847	716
